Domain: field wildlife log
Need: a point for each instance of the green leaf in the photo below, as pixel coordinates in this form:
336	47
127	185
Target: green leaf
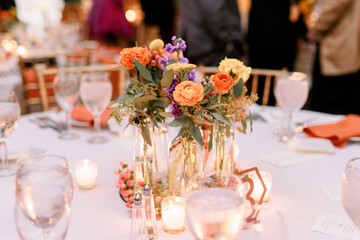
244	125
145	134
144	99
122	97
186	77
181	121
138	95
211	140
161	103
195	131
167	79
171	62
239	88
143	70
166	115
220	118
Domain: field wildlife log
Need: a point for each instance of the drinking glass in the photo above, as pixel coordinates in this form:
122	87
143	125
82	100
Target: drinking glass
291	91
66	89
9	117
42	211
215	206
44	189
95	92
350	190
41	168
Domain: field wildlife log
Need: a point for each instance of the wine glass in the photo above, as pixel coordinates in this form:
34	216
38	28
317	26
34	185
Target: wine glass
41	168
215	206
66	89
350	190
43	189
95	92
42	211
291	91
9	117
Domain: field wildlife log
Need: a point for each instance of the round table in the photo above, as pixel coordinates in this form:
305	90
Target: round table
101	214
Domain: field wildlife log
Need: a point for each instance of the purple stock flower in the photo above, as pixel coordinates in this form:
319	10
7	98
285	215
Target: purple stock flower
191	75
163	61
178	44
175	111
183	60
171	89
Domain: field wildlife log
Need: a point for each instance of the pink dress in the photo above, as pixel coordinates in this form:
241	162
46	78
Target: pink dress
108	17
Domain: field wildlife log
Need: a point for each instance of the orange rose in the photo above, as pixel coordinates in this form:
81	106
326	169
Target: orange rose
141	54
188	93
222	81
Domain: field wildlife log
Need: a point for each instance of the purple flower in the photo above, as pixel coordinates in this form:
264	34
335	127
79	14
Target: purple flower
177	45
183	60
175	110
163	61
191	75
171	89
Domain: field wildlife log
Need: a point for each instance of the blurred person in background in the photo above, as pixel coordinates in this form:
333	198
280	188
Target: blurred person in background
275	26
108	24
211	29
336	73
160	13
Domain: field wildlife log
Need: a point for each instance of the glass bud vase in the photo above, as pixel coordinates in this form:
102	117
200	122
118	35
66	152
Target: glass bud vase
186	160
160	162
223	136
143	155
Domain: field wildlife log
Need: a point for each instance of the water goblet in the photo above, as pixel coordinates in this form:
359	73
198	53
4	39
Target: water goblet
44	189
350	190
42	211
291	91
95	93
9	117
41	168
215	206
66	89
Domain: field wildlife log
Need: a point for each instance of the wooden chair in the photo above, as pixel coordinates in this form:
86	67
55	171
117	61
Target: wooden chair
30	87
44	86
257	75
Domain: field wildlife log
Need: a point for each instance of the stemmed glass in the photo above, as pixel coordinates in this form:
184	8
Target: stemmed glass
9	117
291	91
215	206
66	89
43	190
95	93
350	190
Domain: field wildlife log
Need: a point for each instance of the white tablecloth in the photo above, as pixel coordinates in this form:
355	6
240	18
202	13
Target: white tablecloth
101	214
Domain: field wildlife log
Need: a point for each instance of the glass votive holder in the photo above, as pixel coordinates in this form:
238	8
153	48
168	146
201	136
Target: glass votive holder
173	215
86	174
258	188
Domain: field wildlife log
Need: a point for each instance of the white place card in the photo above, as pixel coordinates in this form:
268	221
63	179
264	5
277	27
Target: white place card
285	158
337	225
311	145
332	191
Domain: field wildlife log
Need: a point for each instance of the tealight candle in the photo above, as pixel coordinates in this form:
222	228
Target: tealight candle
258	188
173	215
86	174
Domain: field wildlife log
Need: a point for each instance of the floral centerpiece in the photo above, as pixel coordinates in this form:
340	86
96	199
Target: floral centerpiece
163	86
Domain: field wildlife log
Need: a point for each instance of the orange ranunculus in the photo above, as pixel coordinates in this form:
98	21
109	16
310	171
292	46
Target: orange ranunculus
222	81
127	56
188	93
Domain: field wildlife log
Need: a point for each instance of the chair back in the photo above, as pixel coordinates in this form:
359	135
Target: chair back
260	80
44	86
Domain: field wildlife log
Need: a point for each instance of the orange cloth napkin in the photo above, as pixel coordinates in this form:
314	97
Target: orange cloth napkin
339	132
81	113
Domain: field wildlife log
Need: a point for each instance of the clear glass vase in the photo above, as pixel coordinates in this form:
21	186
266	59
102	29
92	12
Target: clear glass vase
159	165
223	141
143	155
186	160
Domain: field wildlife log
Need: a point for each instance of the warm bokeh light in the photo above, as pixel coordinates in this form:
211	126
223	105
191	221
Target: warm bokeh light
21	50
130	15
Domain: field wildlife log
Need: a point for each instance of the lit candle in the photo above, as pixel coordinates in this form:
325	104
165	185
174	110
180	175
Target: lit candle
86	174
258	188
173	215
